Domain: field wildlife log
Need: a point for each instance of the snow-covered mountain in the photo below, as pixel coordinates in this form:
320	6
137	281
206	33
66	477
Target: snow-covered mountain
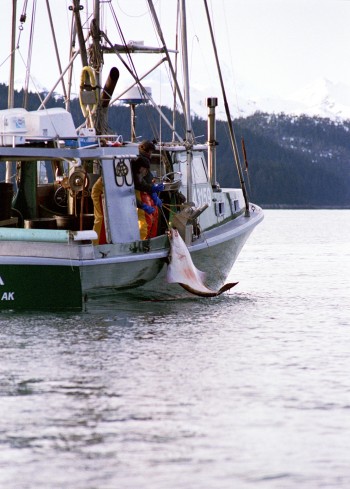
322	98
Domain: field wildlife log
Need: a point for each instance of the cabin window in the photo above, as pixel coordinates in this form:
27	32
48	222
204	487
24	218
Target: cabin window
44	172
199	171
160	165
219	209
157	166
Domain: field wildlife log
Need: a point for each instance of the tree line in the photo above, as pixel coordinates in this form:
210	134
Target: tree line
292	161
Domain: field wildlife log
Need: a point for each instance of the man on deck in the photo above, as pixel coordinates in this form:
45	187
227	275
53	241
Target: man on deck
146	191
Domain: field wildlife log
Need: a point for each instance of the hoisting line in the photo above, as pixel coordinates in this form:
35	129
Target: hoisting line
228	116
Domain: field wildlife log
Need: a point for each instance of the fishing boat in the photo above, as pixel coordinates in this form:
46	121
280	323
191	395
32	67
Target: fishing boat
52	257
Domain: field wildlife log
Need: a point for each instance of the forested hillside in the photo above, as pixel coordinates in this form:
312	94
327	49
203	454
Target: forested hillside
292	161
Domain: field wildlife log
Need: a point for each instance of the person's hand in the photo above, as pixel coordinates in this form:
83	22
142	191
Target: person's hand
158	187
147	208
157	200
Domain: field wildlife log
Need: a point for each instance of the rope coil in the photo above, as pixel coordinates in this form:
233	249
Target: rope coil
88	84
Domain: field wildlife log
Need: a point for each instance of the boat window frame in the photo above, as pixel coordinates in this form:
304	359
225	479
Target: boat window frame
181	166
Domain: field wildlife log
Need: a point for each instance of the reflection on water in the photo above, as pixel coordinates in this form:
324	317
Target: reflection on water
243	390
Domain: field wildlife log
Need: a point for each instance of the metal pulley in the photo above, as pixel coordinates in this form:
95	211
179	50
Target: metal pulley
78	180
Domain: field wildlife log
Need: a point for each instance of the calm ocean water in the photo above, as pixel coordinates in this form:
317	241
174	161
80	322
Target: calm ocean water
247	390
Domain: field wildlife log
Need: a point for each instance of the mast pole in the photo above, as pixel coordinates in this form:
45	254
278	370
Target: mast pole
186	99
79	30
100	116
11	89
175	92
98	26
10	102
189	134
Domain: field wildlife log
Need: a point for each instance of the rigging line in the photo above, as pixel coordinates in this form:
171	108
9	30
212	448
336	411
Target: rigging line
168	72
132	70
161	37
171	71
124	43
202	55
8	57
29	56
163	214
11	177
160	98
31	78
23	18
131	67
155	106
58	81
231	60
24	10
138	81
142	14
175	69
194	38
56	48
228	116
157	131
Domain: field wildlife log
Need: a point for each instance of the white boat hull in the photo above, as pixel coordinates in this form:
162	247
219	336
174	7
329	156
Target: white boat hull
214	254
31	279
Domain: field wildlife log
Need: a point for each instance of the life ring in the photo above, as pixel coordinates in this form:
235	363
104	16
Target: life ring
88	84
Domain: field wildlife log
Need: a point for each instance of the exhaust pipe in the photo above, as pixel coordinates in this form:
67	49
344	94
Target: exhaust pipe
109	87
212	102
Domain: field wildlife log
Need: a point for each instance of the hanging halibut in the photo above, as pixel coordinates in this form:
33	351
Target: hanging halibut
181	269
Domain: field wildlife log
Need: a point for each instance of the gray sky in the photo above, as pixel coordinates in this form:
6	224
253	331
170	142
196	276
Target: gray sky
267	47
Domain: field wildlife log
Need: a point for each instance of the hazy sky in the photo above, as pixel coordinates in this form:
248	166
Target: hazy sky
267	47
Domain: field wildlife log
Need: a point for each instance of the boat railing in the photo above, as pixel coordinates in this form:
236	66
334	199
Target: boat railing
14	140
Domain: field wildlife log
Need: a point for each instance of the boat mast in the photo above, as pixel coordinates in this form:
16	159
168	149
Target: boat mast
97	23
79	30
185	101
189	134
10	102
100	116
11	89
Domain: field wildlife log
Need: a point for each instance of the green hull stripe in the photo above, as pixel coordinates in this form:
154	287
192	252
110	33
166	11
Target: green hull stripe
40	288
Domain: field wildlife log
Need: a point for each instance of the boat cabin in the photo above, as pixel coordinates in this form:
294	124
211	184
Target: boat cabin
51	169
